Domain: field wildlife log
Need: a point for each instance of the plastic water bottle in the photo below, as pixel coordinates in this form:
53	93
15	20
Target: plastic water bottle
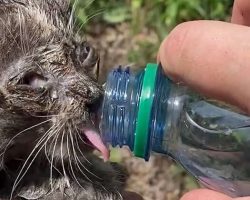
149	113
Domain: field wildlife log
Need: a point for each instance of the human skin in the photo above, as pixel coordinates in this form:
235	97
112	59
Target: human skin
213	58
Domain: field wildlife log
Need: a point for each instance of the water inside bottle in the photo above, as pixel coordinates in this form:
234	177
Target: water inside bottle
214	145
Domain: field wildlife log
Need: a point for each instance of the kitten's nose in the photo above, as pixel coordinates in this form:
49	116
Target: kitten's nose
95	105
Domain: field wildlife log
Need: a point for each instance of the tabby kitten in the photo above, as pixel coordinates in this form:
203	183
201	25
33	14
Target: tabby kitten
49	101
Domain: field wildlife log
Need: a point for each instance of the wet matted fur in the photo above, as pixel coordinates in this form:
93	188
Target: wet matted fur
48	97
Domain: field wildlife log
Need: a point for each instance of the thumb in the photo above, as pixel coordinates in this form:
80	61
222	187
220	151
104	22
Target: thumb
212	58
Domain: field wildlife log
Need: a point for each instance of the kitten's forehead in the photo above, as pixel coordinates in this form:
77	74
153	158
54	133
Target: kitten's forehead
26	25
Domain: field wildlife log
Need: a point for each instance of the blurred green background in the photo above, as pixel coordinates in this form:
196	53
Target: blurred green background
159	16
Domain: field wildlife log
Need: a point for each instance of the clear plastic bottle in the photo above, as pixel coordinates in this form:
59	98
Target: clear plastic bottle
149	113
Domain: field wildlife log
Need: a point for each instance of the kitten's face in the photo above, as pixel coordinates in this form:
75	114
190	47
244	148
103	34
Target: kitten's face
49	101
48	76
55	80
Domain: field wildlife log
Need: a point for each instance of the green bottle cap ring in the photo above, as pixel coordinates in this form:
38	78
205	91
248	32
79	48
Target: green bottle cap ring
144	112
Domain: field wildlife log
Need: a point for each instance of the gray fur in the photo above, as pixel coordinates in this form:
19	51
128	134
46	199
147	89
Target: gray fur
48	94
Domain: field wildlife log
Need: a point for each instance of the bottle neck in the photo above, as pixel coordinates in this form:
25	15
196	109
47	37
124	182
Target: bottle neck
134	110
160	115
120	107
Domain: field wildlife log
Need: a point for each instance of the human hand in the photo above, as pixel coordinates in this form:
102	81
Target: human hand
213	58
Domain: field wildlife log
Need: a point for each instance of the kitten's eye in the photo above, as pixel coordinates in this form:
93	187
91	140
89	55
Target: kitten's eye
33	79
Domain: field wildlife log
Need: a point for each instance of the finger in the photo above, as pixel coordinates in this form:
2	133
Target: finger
212	58
204	194
241	12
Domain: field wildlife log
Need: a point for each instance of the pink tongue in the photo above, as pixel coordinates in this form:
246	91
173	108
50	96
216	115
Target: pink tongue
96	140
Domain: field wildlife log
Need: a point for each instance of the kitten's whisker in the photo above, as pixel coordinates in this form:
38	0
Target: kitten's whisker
77	159
72	15
61	151
83	157
84	8
98	12
56	131
25	36
40	116
18	134
9	31
20	175
20	29
51	168
55	138
77	145
79	135
70	164
52	155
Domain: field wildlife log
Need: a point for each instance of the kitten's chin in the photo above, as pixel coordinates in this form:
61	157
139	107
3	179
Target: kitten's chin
95	140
